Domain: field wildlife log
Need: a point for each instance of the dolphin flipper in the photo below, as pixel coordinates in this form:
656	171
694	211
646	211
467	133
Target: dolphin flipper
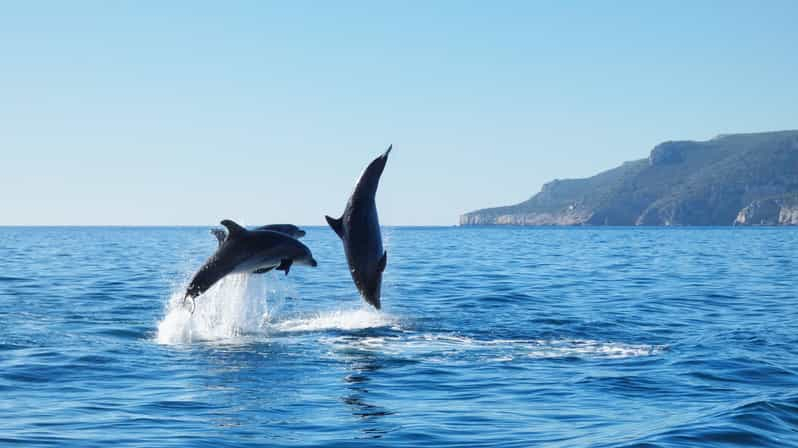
336	224
285	265
383	261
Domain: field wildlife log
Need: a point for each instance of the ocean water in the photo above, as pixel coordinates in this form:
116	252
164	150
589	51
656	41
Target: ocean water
516	337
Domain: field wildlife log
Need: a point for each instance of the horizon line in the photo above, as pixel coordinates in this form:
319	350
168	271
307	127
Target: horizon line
202	225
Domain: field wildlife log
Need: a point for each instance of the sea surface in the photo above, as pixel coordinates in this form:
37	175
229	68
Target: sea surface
495	337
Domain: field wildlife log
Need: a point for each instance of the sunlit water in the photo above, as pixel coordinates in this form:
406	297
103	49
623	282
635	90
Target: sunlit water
489	337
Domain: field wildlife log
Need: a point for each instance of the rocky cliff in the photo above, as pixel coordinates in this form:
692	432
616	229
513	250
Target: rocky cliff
775	211
731	179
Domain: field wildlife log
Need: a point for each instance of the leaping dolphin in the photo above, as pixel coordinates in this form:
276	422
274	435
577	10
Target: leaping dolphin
359	229
288	229
255	251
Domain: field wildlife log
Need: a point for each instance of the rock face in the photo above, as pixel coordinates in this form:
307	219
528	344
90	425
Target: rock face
668	153
776	211
732	179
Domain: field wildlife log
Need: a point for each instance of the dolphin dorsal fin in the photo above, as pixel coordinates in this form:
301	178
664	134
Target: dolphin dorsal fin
336	224
233	229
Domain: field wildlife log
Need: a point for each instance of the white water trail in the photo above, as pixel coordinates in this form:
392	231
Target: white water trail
440	347
352	319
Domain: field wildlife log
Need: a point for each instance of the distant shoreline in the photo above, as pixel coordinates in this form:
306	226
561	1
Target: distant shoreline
730	180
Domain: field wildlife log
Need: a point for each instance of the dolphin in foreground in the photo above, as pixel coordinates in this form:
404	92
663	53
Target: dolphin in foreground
288	229
255	251
359	229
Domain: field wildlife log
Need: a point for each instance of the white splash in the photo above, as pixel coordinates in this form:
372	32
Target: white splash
354	319
237	305
242	306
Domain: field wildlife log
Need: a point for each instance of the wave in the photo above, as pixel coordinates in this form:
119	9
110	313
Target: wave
765	422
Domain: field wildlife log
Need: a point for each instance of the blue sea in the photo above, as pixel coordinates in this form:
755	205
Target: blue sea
489	337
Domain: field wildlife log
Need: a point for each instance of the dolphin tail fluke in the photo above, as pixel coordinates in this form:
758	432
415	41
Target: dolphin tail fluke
336	224
387	151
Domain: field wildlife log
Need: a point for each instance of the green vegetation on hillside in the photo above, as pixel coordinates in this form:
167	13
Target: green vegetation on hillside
681	183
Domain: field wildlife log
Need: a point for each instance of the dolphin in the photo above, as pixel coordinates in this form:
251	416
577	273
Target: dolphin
255	251
288	229
359	229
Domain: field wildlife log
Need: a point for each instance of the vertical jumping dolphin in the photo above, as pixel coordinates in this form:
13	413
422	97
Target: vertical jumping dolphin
359	228
249	251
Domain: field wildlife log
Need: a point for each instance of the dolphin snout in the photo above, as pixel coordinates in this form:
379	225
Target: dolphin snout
313	263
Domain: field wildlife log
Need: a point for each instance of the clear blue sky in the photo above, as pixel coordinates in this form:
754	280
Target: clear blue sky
190	112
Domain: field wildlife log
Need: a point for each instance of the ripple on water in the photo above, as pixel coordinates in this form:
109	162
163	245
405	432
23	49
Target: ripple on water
490	337
760	423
